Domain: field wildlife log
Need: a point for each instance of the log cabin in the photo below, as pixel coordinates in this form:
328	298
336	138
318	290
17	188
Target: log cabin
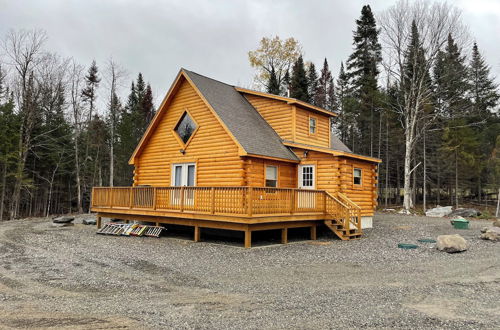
221	156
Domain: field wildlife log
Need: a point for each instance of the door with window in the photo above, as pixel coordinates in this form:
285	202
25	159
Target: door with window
307	180
183	175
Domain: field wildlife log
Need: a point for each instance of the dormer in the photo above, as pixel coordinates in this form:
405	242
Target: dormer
294	120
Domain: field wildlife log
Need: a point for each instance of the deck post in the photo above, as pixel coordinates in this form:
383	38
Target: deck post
182	199
111	197
212	200
98	222
197	233
248	238
284	235
154	198
313	232
131	198
249	201
292	202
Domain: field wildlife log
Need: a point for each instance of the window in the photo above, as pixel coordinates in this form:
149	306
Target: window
312	125
357	176
271	176
306	176
185	128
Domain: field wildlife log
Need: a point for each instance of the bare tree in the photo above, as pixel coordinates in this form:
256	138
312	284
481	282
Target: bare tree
24	52
115	74
434	22
75	83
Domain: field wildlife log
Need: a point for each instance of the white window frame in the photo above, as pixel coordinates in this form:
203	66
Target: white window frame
300	178
184	174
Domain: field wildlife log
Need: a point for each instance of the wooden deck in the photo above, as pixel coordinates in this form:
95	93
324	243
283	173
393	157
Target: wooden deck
234	208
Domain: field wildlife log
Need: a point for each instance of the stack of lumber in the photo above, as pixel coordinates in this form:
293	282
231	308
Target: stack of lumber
124	229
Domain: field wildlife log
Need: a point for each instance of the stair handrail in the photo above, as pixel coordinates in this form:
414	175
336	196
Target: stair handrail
343	214
357	208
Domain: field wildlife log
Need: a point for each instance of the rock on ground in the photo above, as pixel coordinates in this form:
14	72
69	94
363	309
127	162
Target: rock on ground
451	243
439	212
62	219
89	221
496	223
492	234
465	213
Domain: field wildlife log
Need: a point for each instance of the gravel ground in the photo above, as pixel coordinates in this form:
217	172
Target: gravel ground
72	278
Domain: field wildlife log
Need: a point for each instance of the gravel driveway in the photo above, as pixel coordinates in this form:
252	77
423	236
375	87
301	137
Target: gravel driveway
72	278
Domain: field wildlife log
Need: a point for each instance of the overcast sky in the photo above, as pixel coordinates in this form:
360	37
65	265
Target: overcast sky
211	37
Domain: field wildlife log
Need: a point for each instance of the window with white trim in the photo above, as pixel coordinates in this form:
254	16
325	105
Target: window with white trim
312	125
271	176
357	174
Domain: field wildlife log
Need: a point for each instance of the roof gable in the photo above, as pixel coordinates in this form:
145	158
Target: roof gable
252	134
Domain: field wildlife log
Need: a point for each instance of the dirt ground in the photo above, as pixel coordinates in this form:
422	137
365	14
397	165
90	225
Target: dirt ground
72	278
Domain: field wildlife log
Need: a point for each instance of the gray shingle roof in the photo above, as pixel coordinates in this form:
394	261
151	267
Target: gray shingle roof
254	134
336	144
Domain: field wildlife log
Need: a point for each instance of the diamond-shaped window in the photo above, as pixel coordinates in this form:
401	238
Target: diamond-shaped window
185	127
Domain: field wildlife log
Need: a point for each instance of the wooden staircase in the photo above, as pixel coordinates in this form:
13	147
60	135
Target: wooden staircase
343	217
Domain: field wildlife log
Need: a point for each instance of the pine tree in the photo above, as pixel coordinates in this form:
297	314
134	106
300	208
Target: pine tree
312	81
363	72
89	93
273	86
299	87
484	91
285	88
324	82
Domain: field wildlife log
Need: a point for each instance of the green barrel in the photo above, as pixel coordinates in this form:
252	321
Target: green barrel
460	223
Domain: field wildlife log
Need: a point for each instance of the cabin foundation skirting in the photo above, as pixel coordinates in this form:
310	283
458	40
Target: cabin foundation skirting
366	222
198	225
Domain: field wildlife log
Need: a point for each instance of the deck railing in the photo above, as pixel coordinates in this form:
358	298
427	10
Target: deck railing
239	201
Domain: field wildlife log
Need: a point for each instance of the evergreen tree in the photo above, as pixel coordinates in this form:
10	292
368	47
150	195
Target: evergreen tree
451	76
89	93
285	88
299	87
363	72
484	91
312	81
345	105
273	86
321	97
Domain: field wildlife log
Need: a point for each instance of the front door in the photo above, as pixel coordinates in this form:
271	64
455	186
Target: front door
307	180
183	175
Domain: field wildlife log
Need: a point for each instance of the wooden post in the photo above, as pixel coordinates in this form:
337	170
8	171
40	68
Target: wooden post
248	238
292	204
154	198
284	235
212	200
111	197
98	222
197	232
131	198
182	199
313	232
249	201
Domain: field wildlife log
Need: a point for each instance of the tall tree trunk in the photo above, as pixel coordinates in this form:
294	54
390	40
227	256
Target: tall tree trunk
2	195
456	178
424	179
407	200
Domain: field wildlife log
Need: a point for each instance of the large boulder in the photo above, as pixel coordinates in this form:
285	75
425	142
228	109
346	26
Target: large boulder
439	212
451	243
492	234
63	219
465	213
